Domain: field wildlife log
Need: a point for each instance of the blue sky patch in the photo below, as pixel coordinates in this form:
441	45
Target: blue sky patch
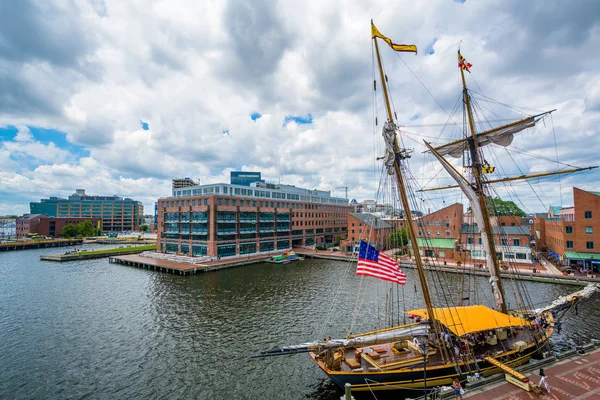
144	125
47	136
415	117
429	49
460	1
298	119
255	116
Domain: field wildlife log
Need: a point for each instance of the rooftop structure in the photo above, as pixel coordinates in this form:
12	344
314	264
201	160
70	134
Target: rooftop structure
179	183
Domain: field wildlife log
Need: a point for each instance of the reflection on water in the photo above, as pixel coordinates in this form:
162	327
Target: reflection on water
104	330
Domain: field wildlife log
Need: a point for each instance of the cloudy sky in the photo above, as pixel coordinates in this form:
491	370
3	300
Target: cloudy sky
118	97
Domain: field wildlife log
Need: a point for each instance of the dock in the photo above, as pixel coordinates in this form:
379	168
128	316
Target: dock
39	244
89	255
183	268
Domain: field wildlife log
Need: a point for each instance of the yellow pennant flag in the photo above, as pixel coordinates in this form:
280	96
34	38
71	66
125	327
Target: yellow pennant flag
398	47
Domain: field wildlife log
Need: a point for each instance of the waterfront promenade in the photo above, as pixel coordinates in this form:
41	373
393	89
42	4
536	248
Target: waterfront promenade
577	377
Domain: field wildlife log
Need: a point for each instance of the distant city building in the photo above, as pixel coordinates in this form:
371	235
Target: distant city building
179	183
116	213
27	223
244	178
234	219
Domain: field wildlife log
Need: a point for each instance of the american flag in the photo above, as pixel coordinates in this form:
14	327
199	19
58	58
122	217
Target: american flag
371	262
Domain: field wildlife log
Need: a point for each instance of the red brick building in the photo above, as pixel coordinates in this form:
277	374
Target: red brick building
47	226
573	233
367	227
27	223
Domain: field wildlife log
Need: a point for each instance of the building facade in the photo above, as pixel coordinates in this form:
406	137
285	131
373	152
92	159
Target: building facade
116	213
227	219
573	233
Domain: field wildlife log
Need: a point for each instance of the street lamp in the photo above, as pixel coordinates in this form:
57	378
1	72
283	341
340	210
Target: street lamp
424	351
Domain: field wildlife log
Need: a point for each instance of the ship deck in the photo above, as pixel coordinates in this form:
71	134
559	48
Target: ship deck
405	354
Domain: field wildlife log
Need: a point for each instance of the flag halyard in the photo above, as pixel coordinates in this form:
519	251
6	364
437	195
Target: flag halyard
372	262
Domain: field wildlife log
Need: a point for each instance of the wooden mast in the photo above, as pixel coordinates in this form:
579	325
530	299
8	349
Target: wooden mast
403	196
479	190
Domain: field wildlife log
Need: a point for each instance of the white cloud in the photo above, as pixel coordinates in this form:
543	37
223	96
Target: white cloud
193	69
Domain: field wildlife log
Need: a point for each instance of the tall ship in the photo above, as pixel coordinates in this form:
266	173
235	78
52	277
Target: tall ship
448	336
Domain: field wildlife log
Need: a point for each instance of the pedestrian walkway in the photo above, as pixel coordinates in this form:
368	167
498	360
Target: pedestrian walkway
575	378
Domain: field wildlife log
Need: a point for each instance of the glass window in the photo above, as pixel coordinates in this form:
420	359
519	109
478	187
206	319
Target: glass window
447	233
438	233
220	202
589	245
516	242
469	240
569	229
205	202
504	241
234	202
588	215
569	244
589	230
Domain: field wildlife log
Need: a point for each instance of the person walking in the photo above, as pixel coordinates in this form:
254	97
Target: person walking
457	389
543	383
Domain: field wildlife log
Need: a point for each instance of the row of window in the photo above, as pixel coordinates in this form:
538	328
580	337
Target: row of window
588	229
248	203
588	245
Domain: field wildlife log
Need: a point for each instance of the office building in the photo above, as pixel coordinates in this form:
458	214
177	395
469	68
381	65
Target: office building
116	213
234	219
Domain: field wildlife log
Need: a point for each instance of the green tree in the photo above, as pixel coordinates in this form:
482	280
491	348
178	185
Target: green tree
86	228
69	231
398	238
502	208
144	228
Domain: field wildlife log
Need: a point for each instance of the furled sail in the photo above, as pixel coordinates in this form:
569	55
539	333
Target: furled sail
465	186
502	136
569	300
399	333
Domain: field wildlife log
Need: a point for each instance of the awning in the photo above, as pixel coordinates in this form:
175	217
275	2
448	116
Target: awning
469	319
435	243
573	255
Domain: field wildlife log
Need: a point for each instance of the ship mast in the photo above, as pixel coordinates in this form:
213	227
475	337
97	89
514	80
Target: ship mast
403	196
479	190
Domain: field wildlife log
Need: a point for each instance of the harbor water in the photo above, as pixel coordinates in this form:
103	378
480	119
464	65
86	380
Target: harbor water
91	329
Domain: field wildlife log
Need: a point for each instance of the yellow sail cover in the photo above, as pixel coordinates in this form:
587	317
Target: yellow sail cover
469	319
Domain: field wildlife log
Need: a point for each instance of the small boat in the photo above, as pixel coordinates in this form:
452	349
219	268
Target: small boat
285	258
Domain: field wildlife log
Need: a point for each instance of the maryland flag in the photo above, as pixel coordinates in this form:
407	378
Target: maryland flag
410	48
464	64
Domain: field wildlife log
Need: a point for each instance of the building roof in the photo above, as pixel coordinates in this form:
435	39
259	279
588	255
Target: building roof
596	193
540	215
469	319
473	229
27	217
371	220
555	210
574	255
436	243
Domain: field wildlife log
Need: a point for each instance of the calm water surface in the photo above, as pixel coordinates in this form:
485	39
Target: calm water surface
96	330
